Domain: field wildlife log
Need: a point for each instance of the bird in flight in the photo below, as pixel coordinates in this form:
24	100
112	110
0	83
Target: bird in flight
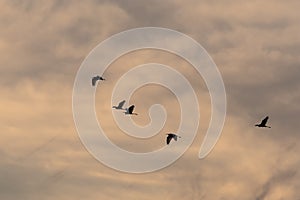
263	123
129	111
171	136
97	78
120	106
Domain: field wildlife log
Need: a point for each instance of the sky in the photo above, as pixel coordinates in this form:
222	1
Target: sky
256	46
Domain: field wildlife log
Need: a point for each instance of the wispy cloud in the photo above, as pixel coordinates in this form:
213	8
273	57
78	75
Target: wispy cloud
256	47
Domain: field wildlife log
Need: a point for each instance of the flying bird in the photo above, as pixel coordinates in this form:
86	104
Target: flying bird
171	136
97	78
120	106
263	123
129	111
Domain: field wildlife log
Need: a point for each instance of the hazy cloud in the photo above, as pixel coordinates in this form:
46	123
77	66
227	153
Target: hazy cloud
256	46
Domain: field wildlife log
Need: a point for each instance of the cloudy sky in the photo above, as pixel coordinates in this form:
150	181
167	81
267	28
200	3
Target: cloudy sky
256	47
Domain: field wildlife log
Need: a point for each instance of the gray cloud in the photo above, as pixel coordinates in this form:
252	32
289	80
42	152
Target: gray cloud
256	47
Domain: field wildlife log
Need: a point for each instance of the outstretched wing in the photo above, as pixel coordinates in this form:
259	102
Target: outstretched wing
130	109
169	138
175	137
94	80
121	104
264	121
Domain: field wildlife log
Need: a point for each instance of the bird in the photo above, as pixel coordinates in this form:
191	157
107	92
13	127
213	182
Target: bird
129	111
120	106
171	136
263	123
96	78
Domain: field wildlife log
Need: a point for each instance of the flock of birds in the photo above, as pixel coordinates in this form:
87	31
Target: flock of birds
170	136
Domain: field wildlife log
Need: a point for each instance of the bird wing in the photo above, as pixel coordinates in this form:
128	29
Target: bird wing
121	104
94	79
264	121
169	138
175	137
130	109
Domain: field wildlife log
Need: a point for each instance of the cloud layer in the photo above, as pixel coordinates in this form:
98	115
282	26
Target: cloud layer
256	46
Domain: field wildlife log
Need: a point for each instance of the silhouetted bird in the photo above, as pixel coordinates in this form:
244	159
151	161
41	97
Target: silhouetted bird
263	123
129	111
171	136
120	106
97	78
